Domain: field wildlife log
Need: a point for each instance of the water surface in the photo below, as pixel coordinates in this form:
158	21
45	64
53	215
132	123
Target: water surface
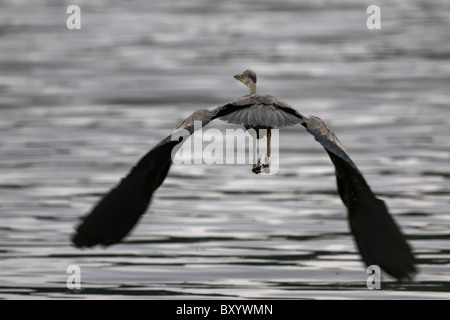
78	108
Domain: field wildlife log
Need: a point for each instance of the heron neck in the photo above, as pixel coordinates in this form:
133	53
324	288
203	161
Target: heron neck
252	87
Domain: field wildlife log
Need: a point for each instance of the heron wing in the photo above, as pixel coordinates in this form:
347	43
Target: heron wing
115	215
377	236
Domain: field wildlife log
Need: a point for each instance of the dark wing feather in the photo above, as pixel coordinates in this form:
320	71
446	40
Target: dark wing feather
120	209
377	236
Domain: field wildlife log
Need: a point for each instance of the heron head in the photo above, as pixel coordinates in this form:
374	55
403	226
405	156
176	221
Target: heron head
248	77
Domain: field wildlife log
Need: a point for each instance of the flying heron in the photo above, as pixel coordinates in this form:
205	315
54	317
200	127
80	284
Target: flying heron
377	236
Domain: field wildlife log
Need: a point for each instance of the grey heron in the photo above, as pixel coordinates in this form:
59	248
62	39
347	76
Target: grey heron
376	234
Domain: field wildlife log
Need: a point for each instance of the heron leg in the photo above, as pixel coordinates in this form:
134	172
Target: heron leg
256	166
266	164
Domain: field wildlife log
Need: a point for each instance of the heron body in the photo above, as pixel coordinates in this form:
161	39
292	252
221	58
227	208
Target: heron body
377	236
262	112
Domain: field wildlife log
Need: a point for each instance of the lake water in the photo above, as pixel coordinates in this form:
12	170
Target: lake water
78	108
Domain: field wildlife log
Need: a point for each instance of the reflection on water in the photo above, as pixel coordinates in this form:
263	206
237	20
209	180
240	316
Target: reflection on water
78	109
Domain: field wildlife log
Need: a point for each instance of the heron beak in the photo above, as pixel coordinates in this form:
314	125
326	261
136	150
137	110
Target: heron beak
240	78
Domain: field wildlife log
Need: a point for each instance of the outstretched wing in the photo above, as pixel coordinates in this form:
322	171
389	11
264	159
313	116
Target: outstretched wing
120	209
376	234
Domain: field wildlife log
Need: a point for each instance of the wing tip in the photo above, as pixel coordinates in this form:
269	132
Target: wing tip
83	240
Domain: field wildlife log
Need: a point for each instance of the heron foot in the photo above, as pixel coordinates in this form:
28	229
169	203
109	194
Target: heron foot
266	165
257	167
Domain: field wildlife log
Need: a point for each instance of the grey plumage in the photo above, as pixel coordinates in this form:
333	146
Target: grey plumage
261	112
